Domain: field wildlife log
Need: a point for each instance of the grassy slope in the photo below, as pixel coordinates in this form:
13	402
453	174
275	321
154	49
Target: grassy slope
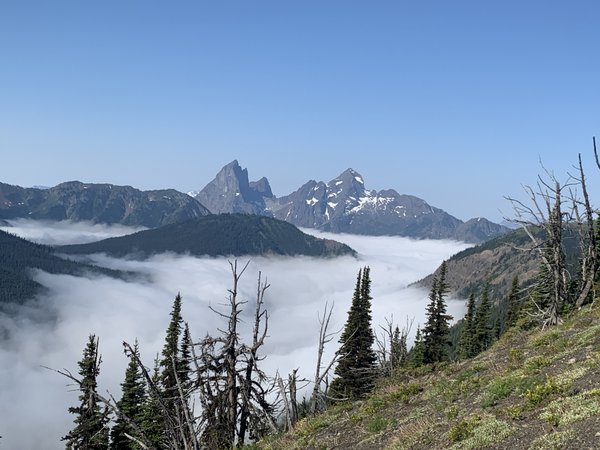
533	389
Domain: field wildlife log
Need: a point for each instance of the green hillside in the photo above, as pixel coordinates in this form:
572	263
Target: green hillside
532	390
216	235
497	261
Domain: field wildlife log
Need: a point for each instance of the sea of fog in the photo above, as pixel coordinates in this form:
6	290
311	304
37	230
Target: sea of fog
52	330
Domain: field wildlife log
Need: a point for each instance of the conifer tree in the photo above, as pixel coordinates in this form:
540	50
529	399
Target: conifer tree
152	419
416	355
174	393
185	359
467	342
91	430
436	332
131	406
483	327
514	303
356	368
542	290
170	361
497	329
398	349
539	299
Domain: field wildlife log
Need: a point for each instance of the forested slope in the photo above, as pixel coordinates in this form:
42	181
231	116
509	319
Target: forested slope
217	235
17	259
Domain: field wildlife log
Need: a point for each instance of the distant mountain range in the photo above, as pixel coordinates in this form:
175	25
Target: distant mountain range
99	203
343	205
217	235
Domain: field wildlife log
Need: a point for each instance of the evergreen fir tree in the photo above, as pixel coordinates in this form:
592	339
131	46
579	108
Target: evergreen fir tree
543	285
514	303
497	331
436	332
170	361
91	429
467	342
185	359
416	356
356	368
398	349
131	405
483	327
152	419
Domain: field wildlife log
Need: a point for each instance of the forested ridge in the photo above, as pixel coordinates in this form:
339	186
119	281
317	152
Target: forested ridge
17	259
217	235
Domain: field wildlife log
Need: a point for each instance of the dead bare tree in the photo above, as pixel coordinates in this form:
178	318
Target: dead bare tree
587	236
254	380
546	212
391	343
318	399
233	390
553	212
288	393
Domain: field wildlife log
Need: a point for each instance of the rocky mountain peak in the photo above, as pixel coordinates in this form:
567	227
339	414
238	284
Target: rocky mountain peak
263	187
349	185
231	192
341	205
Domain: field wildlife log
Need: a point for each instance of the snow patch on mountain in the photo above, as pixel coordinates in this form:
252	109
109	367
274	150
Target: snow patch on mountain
372	202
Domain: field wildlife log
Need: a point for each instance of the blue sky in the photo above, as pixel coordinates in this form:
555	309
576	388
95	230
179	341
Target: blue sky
454	102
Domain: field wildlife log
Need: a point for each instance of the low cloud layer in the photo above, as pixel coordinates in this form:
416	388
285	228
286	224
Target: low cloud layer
118	310
66	232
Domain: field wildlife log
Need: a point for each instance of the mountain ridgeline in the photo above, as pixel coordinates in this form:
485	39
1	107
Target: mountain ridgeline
217	235
343	205
98	203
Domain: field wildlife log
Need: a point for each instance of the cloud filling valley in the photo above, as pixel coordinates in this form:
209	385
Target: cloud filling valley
52	330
